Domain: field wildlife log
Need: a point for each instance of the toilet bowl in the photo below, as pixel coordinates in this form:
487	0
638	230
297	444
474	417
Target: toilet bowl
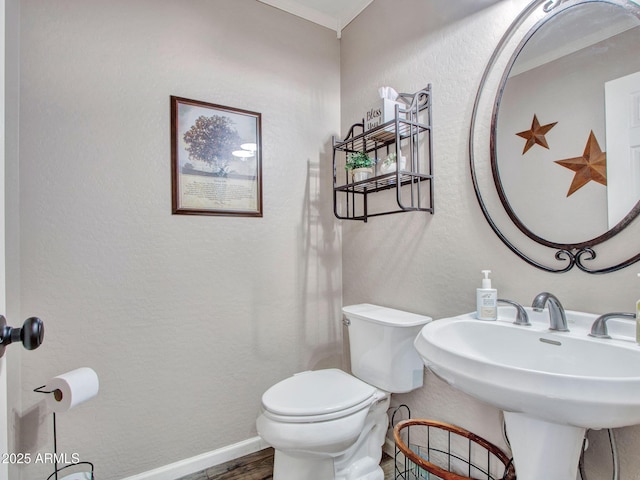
330	425
321	418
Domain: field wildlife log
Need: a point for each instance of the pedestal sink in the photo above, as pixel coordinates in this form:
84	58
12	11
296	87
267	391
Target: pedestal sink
552	386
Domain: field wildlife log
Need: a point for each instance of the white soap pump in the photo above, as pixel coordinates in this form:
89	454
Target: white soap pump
486	299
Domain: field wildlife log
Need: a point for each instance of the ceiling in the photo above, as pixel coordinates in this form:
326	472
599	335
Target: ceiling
333	14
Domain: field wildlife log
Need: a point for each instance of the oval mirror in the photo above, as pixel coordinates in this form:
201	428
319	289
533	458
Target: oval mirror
555	135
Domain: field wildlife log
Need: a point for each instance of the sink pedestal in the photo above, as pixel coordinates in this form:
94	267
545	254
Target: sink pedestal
543	449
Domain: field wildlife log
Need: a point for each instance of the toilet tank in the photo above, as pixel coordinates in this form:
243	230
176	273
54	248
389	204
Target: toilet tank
381	345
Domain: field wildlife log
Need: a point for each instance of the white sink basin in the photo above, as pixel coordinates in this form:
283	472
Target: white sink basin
550	379
562	377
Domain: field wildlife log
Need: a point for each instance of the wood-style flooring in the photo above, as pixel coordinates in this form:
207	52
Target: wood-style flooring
259	466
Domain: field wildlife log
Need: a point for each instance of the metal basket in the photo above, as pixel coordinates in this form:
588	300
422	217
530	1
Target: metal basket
430	450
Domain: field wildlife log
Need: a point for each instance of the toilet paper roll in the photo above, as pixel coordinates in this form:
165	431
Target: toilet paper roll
71	389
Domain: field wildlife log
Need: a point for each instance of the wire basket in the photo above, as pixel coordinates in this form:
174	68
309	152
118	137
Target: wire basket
84	475
430	450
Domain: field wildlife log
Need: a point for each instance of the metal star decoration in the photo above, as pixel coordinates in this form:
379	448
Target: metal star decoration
592	165
536	134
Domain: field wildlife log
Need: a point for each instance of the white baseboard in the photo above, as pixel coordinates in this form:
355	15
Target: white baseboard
203	461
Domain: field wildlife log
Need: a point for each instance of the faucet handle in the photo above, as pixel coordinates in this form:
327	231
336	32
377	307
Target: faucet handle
599	327
521	314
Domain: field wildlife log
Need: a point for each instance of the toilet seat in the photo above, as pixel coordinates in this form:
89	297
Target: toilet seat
318	395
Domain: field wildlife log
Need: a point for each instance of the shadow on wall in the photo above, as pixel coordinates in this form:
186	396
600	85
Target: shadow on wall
32	432
307	332
319	272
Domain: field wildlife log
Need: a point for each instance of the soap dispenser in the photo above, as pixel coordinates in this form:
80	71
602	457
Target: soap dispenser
486	299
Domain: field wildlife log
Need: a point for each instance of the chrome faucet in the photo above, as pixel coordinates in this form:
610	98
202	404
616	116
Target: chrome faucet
521	314
599	327
557	318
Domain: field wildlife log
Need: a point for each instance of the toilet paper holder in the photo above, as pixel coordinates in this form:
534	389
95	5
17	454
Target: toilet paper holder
57	470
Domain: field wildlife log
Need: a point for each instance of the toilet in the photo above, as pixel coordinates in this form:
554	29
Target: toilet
330	425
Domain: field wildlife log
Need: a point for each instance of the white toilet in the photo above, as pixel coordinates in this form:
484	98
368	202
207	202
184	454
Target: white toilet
329	425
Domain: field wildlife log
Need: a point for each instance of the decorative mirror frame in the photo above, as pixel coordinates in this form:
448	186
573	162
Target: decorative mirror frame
487	186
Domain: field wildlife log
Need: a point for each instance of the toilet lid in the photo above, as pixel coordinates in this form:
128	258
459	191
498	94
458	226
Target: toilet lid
316	392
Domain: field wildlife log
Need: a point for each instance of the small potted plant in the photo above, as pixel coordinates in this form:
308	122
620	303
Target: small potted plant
361	165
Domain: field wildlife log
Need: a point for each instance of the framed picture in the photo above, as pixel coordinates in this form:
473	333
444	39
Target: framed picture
215	159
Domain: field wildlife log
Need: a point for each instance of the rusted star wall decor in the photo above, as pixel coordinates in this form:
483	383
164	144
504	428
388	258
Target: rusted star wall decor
536	135
592	165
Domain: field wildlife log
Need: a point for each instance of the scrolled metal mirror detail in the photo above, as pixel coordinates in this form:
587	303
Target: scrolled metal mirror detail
545	152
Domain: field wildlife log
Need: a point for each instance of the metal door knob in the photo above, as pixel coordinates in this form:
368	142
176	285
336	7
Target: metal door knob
31	334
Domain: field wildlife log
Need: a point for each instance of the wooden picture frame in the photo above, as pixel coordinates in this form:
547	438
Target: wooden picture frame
216	159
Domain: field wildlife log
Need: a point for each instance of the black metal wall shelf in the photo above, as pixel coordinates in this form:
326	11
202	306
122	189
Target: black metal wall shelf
409	132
